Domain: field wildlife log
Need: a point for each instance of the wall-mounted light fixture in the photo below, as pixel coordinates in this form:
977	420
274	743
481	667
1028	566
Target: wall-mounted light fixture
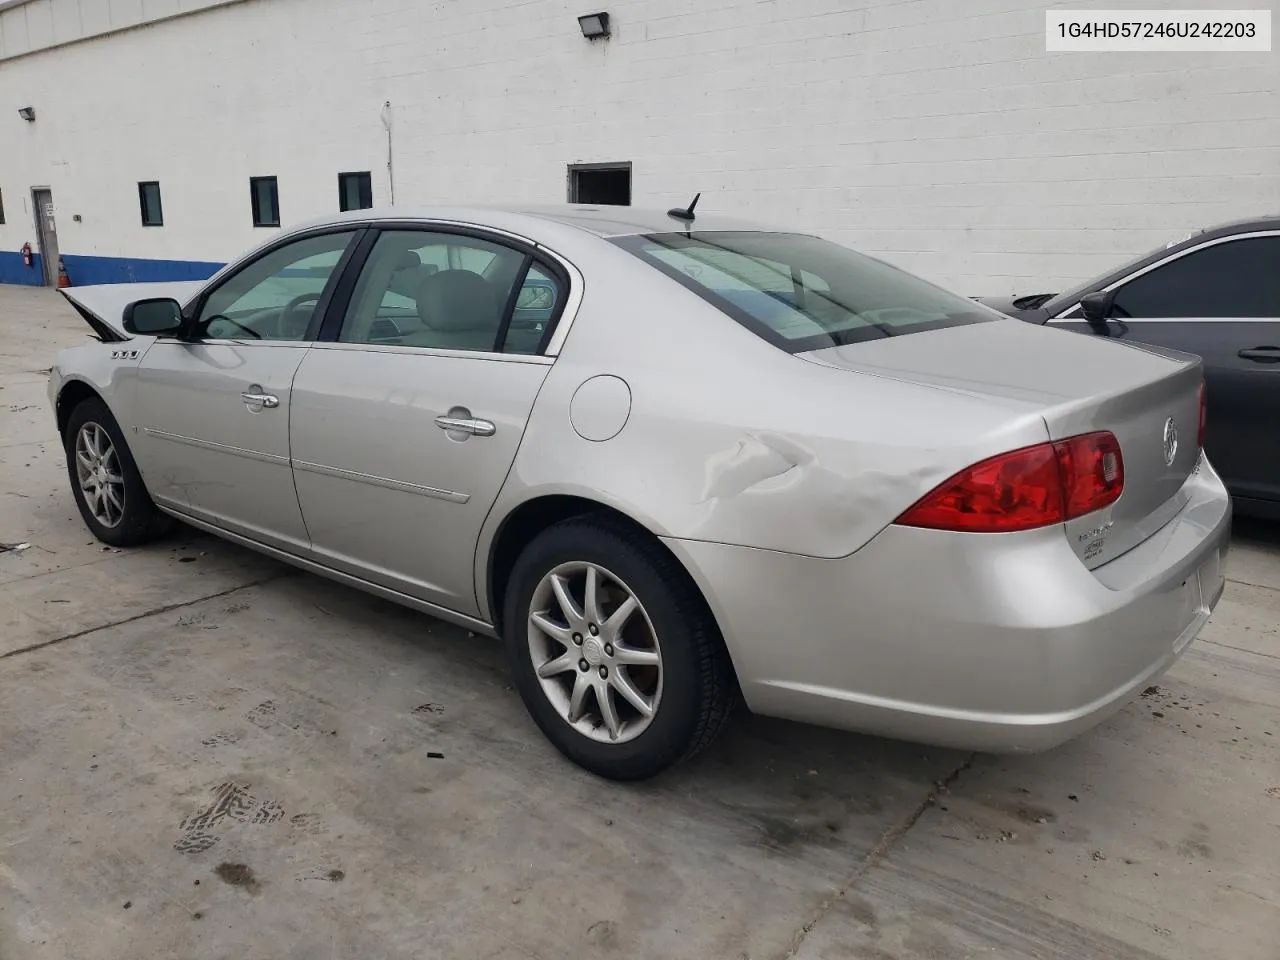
594	25
28	114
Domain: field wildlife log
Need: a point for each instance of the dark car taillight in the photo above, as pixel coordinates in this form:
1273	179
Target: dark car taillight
1027	488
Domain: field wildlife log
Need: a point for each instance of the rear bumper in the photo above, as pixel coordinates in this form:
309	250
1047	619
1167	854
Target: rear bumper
1000	643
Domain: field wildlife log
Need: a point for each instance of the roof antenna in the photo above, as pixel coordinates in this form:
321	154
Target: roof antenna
685	214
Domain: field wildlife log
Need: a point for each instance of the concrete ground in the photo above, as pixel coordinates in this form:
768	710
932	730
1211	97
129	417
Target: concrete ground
205	754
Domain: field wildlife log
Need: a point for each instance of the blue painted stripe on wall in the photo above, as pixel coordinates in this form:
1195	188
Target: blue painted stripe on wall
13	270
86	271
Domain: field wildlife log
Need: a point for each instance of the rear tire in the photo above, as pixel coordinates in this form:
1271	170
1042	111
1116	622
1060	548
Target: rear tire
663	654
106	484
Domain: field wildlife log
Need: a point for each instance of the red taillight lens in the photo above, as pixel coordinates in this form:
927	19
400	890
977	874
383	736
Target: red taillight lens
1028	488
1092	472
1204	414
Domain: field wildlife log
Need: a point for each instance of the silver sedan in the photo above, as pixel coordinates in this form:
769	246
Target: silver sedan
673	462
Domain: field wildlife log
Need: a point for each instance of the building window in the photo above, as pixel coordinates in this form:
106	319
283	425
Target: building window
355	191
602	183
265	196
149	202
1	209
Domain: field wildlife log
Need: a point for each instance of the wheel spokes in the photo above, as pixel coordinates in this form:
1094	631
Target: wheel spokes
576	700
568	607
609	711
562	664
561	635
635	656
113	498
591	596
612	627
622	683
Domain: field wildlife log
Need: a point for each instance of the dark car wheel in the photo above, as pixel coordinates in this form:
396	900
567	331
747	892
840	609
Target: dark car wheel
105	481
614	651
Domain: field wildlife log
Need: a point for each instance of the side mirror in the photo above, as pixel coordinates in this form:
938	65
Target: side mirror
1096	307
155	318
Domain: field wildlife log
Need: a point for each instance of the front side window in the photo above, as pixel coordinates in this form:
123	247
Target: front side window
275	297
450	292
802	293
1238	278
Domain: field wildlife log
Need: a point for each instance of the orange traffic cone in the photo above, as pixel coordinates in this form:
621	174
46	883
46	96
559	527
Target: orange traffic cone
63	279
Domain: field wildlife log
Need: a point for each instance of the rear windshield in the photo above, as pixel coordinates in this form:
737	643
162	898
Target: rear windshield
800	292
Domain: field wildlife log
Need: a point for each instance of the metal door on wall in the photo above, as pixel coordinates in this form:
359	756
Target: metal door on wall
46	234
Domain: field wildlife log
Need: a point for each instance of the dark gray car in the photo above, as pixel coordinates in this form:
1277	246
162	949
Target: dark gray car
1215	293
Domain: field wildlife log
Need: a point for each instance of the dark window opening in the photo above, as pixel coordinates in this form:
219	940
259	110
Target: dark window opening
608	184
1236	278
149	203
355	191
265	196
1	209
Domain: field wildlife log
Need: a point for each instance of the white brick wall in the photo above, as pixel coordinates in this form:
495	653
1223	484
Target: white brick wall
936	133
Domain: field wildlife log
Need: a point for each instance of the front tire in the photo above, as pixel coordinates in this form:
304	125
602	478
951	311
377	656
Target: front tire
105	481
614	651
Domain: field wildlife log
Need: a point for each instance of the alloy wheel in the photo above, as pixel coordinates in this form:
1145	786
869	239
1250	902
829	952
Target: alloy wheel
595	652
99	474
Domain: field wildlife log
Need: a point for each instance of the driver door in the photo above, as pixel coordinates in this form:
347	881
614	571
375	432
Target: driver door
213	407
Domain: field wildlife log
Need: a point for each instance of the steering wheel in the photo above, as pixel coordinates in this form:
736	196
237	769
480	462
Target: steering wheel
285	323
218	316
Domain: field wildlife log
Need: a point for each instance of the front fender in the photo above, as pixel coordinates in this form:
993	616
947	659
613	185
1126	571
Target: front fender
109	370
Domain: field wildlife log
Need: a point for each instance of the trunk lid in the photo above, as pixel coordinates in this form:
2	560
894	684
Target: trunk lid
1148	397
102	305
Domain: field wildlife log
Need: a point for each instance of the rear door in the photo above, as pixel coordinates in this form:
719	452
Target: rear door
407	416
214	408
1222	302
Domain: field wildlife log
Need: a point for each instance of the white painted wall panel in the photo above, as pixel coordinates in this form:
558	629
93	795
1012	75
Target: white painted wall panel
937	134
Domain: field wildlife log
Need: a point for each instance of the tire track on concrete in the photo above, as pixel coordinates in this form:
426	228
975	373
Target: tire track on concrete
146	613
877	854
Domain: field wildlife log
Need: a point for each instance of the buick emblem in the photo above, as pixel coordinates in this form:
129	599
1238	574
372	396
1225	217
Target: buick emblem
1170	441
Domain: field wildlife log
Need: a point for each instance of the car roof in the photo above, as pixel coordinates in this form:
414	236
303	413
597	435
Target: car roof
602	221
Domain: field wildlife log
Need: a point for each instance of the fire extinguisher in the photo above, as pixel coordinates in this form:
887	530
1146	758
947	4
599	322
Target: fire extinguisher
26	254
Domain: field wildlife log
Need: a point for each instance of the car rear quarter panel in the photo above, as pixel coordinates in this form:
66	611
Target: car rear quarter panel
732	440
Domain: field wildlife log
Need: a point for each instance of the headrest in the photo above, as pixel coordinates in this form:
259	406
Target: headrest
458	300
408	260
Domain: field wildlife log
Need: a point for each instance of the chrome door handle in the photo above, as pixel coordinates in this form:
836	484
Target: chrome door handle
471	425
261	399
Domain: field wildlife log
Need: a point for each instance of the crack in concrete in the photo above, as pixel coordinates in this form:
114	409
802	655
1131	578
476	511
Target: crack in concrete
1227	646
877	854
142	616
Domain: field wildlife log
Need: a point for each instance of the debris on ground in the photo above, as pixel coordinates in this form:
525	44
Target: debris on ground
13	547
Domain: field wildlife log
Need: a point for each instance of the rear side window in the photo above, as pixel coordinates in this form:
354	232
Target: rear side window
451	291
803	293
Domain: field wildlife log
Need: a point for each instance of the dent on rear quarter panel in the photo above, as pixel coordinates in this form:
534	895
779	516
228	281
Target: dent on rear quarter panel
731	439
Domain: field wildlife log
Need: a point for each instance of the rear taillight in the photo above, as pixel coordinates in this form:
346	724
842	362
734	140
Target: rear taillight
1028	488
1204	415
